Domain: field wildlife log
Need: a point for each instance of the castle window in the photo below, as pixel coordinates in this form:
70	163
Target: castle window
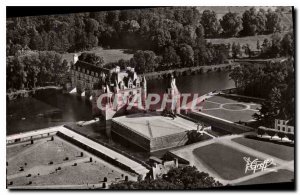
138	91
137	84
278	127
130	85
283	128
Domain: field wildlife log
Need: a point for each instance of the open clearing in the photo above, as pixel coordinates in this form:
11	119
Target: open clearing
109	55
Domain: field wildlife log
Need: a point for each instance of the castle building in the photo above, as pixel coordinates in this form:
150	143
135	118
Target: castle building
85	77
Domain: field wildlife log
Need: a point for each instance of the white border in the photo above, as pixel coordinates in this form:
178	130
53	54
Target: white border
5	3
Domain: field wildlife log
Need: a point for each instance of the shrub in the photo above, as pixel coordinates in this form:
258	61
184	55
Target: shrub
290	136
281	135
260	132
271	133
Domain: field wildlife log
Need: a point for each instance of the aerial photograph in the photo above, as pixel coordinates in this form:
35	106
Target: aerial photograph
150	98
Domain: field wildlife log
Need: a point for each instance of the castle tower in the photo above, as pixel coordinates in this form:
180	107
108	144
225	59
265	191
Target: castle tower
174	95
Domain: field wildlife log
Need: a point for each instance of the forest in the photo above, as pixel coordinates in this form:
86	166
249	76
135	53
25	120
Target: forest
160	38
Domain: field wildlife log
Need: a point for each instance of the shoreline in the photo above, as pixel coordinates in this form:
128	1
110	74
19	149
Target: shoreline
29	93
190	70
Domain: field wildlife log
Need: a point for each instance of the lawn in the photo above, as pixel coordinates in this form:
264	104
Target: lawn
273	149
109	55
272	177
227	162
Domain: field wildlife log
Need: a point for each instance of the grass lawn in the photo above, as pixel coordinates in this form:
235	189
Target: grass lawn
251	40
272	177
279	151
227	162
109	55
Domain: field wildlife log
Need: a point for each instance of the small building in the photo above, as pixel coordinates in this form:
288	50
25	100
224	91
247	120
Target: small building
283	126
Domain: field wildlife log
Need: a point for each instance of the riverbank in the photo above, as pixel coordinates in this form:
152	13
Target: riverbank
190	70
29	93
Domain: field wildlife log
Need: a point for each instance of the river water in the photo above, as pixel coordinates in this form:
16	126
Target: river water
34	113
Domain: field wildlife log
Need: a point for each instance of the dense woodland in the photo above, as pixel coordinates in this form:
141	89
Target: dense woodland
274	82
161	39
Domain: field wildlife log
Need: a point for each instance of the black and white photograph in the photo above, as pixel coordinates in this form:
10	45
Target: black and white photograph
150	98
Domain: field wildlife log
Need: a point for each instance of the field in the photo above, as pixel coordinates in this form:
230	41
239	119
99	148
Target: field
225	161
56	162
251	40
279	151
109	55
230	109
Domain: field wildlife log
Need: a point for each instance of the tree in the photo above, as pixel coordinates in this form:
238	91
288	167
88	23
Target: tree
271	133
231	24
273	22
281	135
144	61
253	22
210	23
247	50
287	44
258	45
91	58
236	50
177	178
290	136
260	132
186	54
170	58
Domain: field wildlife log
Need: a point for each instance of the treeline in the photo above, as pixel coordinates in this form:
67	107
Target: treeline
35	70
146	29
177	178
275	82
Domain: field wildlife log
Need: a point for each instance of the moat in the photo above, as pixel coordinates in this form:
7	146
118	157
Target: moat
57	108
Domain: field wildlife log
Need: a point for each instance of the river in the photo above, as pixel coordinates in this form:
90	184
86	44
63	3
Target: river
33	113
